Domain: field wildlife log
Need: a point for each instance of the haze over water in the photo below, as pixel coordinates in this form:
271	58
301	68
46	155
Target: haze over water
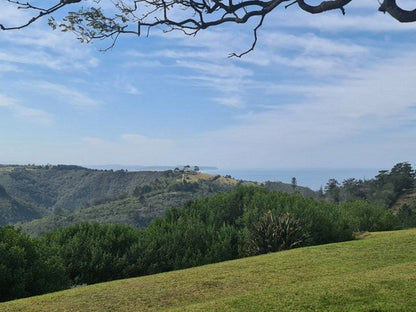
312	178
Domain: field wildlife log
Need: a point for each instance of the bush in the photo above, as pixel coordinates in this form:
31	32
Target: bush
95	253
275	233
27	266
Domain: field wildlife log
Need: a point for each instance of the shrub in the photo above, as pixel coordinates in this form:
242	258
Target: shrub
27	266
275	233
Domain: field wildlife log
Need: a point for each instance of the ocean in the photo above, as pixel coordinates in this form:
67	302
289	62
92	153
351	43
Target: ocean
312	178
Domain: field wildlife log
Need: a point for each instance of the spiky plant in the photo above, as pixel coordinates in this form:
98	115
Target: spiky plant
275	233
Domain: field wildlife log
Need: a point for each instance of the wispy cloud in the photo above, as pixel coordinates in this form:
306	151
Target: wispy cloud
333	22
126	86
335	122
141	140
233	101
6	67
67	95
317	91
9	16
93	141
39	46
25	113
205	65
365	118
127	149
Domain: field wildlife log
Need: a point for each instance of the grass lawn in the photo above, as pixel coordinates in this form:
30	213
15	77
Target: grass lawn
374	274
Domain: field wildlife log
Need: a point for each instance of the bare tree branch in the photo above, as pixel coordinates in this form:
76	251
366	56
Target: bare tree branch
188	16
403	16
254	41
42	13
323	6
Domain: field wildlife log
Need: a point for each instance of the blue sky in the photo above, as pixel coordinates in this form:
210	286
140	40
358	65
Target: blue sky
319	91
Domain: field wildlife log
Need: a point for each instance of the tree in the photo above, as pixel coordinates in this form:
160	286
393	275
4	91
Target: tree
389	185
403	177
294	184
352	189
332	190
27	266
96	21
95	253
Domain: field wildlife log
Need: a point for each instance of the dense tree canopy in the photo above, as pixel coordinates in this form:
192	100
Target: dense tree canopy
100	19
28	266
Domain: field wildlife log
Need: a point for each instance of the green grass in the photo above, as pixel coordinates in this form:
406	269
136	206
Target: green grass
374	274
6	169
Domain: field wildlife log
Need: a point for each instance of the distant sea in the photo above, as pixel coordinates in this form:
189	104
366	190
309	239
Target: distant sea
312	178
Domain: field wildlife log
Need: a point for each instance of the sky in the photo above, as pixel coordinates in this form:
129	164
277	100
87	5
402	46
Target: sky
318	91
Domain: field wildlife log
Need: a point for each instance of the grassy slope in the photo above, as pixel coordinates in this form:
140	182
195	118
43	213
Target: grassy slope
375	274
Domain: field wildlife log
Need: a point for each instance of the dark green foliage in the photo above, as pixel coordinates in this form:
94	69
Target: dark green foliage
353	189
184	187
384	189
294	183
402	177
108	199
68	167
95	253
28	266
12	210
217	228
275	233
291	188
184	239
332	190
3	192
364	216
140	190
407	215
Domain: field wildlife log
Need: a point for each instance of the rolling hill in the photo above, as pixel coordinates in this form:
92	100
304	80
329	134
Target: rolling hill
63	195
12	210
374	274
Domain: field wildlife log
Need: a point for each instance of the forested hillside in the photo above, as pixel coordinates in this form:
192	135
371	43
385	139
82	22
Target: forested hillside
70	187
12	210
56	196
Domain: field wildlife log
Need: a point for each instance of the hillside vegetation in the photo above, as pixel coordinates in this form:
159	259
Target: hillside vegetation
246	221
375	274
12	210
405	207
61	195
